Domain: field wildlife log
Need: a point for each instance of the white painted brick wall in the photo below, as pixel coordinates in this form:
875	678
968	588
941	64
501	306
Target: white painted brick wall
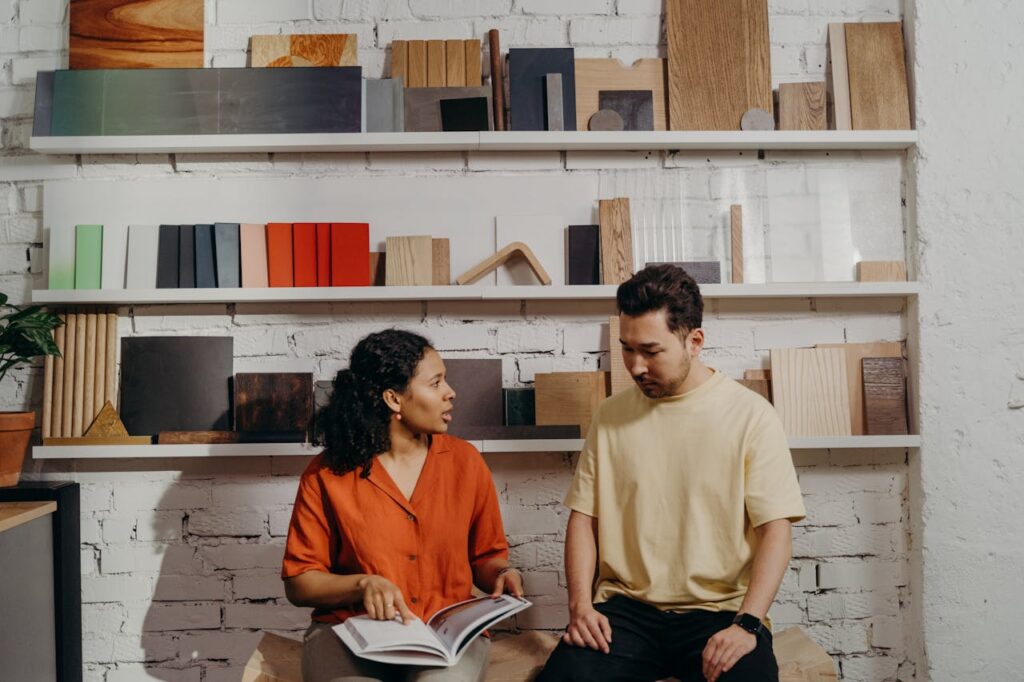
180	564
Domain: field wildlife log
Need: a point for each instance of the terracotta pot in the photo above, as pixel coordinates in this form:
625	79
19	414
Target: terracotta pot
15	434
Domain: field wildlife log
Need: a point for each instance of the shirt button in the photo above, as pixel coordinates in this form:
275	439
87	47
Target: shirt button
412	557
411	517
414	600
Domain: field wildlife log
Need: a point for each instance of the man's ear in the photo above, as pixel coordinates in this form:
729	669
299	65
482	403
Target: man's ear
696	343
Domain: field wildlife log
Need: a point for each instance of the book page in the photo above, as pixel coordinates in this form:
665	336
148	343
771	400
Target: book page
384	635
460	622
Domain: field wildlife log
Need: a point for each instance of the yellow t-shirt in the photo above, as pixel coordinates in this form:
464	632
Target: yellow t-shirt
678	485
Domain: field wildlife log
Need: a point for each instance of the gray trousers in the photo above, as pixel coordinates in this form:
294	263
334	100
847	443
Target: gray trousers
325	658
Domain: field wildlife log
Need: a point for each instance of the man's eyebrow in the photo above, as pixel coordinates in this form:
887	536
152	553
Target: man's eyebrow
649	344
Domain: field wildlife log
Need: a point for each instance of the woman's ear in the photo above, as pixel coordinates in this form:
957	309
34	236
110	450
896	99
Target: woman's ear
393	400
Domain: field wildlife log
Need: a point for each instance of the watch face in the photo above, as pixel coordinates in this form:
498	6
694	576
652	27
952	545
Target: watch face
749	623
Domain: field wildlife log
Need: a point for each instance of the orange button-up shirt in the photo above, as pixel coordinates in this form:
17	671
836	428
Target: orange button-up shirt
427	546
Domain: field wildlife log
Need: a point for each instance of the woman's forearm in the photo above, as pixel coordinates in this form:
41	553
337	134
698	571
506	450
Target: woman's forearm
485	575
324	590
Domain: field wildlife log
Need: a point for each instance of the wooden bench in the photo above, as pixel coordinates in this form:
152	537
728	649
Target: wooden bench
519	657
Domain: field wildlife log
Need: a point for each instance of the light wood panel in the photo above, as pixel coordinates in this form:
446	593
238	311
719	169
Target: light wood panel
569	397
620	377
455	63
437	68
128	34
400	60
802	106
441	262
881	271
810	391
719	62
616	241
417	69
409	261
595	75
854	354
474	63
736	242
838	78
68	391
78	404
879	99
110	384
307	49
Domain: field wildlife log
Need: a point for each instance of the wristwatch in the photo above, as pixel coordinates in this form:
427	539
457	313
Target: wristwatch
751	624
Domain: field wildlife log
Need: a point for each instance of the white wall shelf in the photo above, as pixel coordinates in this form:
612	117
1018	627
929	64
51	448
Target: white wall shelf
780	140
461	293
487	446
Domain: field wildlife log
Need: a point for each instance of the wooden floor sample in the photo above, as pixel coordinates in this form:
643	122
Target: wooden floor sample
885	396
719	62
616	241
136	34
569	397
621	378
855	353
879	99
594	75
409	261
337	49
810	391
881	271
802	106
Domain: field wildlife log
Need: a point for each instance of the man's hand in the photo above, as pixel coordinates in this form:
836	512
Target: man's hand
588	628
510	581
383	600
724	649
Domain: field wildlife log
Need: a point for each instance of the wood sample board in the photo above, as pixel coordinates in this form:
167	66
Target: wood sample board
569	397
810	391
128	34
595	75
410	261
616	241
855	353
336	49
719	62
802	106
885	396
437	63
879	98
621	380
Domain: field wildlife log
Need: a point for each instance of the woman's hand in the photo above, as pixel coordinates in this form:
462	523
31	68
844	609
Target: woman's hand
508	581
383	600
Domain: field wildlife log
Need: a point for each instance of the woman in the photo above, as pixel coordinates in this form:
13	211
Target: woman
394	517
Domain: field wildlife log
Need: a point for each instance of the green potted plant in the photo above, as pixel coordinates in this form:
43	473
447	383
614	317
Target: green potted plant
25	333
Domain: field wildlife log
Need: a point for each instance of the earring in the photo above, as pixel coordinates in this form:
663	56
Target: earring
398	416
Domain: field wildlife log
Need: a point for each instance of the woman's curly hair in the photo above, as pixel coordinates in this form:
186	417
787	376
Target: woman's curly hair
353	426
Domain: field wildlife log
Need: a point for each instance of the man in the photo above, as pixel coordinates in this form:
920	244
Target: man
682	504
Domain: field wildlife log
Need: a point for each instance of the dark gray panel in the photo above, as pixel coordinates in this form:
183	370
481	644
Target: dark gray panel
703	272
28	644
227	250
385	105
176	383
43	109
528	69
478	398
636	107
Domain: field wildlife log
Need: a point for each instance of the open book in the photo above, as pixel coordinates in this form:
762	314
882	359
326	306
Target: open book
438	642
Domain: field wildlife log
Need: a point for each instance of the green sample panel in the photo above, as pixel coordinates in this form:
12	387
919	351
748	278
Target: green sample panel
88	256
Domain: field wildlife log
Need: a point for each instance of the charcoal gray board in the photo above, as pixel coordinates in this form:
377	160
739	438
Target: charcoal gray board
636	107
207	101
527	71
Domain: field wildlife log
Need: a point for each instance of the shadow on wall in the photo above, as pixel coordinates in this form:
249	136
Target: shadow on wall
218	588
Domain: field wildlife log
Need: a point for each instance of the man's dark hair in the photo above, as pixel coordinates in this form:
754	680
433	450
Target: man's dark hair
663	287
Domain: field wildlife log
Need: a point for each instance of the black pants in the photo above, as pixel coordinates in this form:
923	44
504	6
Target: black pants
648	644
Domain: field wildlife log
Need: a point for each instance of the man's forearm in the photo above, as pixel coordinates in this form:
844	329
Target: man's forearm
580	558
771	558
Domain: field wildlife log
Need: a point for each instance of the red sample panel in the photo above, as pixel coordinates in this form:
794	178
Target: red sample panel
304	245
323	254
279	254
350	254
